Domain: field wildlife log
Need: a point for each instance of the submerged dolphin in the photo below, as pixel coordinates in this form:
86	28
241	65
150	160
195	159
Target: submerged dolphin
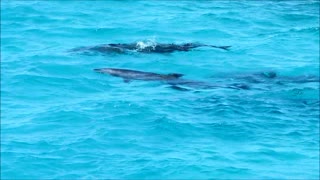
173	79
273	77
145	48
164	48
129	75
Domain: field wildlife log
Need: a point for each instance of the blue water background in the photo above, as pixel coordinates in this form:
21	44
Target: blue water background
60	119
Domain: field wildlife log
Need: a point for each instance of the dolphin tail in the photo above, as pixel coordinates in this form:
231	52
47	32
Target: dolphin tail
77	49
100	70
238	86
220	47
175	87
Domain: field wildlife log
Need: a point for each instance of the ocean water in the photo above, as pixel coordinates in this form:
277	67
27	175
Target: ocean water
62	120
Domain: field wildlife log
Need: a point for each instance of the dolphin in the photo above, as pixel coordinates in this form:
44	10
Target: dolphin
129	75
164	48
273	77
144	48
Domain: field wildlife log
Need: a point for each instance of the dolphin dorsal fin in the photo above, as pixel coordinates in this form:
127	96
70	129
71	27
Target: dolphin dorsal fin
127	80
176	75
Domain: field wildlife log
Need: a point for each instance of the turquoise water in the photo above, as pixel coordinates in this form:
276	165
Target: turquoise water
60	119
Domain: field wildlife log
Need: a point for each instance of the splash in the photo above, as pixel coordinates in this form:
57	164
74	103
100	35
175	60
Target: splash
146	44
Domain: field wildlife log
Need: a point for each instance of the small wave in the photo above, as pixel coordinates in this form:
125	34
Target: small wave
305	29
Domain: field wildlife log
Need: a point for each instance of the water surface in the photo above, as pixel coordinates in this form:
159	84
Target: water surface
62	120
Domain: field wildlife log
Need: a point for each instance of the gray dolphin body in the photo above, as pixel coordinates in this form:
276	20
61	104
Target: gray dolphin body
156	48
165	48
129	75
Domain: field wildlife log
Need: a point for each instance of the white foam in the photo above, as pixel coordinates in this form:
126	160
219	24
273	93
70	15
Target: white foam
145	44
